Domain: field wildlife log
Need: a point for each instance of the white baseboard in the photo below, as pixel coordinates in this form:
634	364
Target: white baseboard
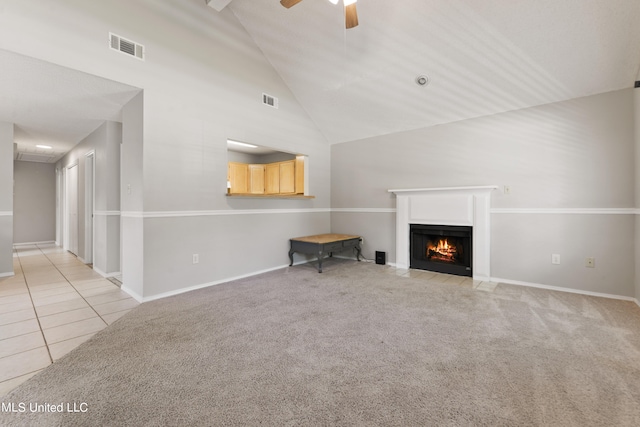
142	299
562	289
132	294
7	274
47	242
206	285
106	275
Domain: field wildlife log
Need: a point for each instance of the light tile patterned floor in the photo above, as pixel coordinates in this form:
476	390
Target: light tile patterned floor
53	304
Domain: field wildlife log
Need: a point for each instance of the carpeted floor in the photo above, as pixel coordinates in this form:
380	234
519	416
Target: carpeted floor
354	346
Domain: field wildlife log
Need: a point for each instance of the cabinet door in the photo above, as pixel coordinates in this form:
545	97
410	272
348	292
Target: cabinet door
238	176
287	177
256	179
300	175
272	178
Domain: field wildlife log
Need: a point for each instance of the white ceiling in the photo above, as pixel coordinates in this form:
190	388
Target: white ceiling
55	106
483	57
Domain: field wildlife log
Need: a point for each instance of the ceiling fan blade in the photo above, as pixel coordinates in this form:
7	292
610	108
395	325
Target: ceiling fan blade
350	16
289	3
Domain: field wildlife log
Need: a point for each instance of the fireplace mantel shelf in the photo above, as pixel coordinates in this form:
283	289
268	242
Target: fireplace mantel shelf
422	190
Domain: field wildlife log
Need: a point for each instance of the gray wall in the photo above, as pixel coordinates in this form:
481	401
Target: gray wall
131	196
197	94
104	142
577	154
6	199
34	202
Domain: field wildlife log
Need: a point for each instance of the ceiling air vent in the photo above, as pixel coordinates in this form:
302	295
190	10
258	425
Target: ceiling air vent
269	100
33	157
126	46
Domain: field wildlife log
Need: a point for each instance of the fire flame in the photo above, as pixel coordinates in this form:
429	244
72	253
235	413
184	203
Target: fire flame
442	250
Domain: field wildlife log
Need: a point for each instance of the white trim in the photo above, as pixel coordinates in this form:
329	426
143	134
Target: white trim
46	242
365	210
132	214
8	274
132	294
588	211
206	285
221	212
6	213
106	275
107	213
466	189
562	289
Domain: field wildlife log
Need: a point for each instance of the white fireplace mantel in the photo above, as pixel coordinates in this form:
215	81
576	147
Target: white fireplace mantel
468	206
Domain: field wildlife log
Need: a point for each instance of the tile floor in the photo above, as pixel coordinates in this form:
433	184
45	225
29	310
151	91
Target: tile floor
443	278
53	304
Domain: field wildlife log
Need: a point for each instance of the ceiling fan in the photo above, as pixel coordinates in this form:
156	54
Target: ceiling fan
350	13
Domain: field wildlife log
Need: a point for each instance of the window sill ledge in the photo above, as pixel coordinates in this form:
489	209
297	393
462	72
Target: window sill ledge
269	196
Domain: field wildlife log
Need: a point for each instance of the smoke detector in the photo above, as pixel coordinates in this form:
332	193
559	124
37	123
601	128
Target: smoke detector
422	80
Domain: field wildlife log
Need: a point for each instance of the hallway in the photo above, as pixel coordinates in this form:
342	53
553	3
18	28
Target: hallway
50	306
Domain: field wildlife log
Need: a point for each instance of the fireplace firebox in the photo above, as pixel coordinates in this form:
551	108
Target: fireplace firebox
441	248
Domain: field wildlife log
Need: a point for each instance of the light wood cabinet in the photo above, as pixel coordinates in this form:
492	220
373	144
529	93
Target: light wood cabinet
256	179
238	174
299	172
270	179
287	177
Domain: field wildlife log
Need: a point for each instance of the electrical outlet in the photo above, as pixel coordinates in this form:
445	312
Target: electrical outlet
555	259
196	258
507	189
590	262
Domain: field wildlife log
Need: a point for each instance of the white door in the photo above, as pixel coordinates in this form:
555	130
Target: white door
71	194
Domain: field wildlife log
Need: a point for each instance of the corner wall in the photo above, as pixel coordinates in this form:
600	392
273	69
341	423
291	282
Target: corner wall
6	199
104	142
570	168
636	97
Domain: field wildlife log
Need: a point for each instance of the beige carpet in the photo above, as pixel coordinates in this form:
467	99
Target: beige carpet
352	346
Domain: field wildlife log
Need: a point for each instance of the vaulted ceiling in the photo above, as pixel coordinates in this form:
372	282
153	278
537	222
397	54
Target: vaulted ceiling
481	57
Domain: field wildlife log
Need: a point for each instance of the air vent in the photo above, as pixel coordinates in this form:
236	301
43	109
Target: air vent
126	46
269	100
32	157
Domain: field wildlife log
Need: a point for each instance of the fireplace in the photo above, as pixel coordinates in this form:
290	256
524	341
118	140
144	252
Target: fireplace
448	206
441	248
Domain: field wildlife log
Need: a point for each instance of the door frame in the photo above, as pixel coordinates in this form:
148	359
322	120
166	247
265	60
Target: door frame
89	206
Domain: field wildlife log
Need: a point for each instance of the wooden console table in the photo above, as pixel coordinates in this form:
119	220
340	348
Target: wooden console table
322	244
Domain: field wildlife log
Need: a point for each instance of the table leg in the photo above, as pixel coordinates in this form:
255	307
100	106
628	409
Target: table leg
320	256
291	258
359	251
